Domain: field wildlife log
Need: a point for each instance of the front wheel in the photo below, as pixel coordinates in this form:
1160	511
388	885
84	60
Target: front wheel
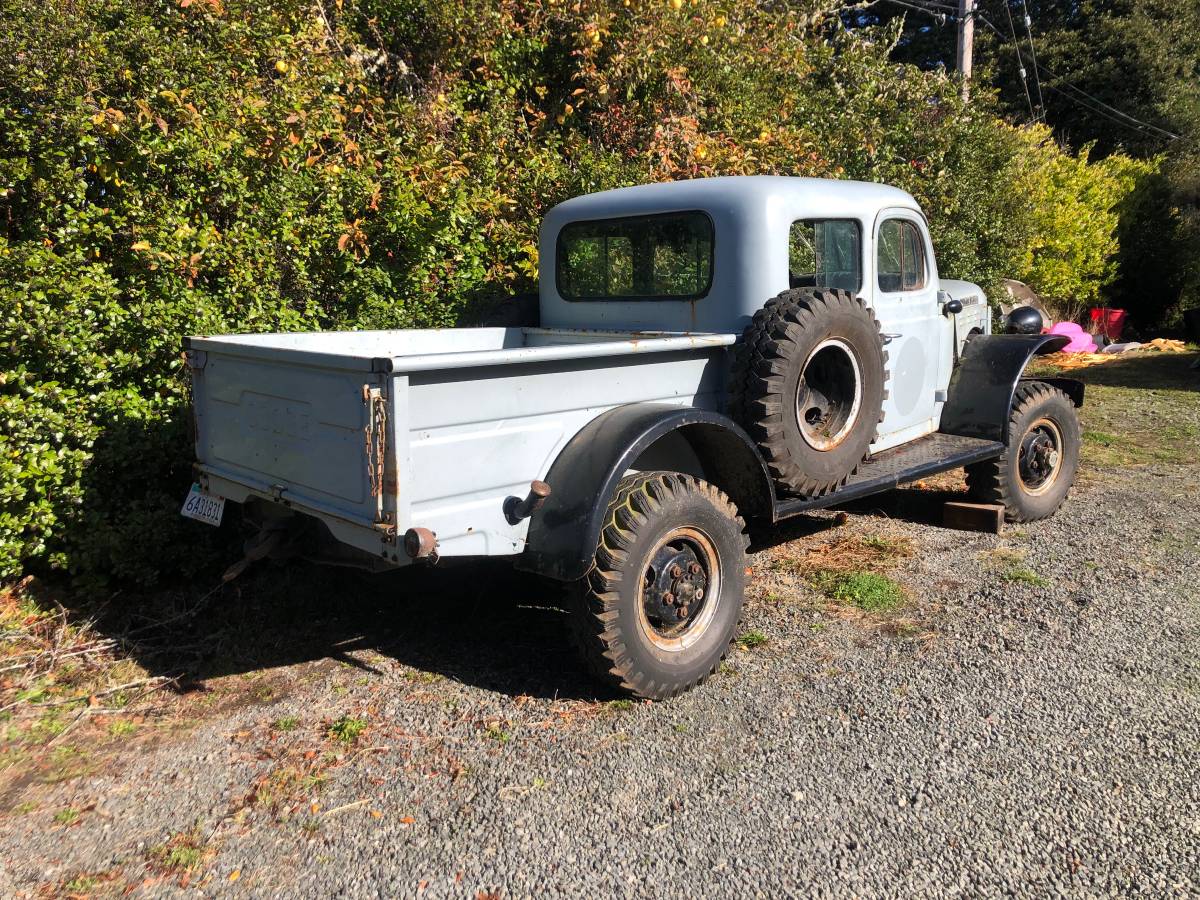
1033	475
655	615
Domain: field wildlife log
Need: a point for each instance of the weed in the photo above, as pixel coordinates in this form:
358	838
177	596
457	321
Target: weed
497	733
539	783
347	729
314	781
867	591
25	808
419	677
121	728
182	852
67	816
1022	575
81	884
680	728
311	826
619	705
1009	565
751	639
286	723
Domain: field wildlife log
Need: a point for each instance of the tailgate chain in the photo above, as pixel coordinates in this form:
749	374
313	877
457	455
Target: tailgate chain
375	443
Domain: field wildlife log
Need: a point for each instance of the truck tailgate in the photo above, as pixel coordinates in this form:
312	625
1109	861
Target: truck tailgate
285	426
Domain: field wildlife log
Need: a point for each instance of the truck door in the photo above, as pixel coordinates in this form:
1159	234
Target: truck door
905	292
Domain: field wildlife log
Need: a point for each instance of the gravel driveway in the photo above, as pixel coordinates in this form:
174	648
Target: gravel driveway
1028	722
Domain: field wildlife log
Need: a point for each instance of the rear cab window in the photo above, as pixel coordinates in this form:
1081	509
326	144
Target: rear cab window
825	253
901	256
656	257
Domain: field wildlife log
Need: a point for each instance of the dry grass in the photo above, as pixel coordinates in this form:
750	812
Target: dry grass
1139	410
849	553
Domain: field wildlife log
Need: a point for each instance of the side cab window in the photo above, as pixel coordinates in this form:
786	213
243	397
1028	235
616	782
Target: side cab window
900	257
825	253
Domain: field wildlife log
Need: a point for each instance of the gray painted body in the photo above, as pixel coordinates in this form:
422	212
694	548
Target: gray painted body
463	419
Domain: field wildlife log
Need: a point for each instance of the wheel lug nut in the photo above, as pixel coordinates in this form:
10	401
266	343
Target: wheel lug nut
699	595
694	568
682	613
676	571
668	598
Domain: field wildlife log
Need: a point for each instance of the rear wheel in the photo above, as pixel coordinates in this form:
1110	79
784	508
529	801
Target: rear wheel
656	614
1033	475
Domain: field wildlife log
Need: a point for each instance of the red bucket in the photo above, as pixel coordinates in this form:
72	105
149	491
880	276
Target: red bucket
1108	322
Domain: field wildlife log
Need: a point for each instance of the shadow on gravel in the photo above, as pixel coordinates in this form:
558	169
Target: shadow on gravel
481	623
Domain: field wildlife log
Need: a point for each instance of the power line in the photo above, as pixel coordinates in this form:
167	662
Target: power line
1105	109
1020	62
1037	82
942	11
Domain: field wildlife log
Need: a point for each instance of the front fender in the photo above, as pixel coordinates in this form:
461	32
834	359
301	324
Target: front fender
981	388
563	534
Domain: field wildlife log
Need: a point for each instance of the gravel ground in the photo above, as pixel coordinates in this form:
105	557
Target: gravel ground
1027	723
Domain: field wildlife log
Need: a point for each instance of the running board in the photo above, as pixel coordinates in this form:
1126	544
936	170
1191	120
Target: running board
925	456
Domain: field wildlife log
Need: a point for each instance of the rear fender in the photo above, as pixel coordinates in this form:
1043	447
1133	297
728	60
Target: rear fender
583	479
981	390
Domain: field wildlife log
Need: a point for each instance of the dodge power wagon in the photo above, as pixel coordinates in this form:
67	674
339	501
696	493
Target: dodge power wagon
707	352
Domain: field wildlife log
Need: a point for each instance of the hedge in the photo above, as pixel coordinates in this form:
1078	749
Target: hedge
171	167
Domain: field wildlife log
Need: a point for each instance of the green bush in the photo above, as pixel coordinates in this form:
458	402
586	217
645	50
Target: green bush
169	169
1071	210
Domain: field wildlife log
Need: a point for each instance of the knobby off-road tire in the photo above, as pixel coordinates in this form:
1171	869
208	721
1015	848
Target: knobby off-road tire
655	615
808	384
1033	475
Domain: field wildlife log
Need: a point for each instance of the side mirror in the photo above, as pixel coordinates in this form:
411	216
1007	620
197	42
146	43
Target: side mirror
952	307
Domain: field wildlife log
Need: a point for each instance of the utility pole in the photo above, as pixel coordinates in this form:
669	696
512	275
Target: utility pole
966	43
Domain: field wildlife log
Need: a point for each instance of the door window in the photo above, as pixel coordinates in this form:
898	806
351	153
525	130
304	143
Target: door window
901	259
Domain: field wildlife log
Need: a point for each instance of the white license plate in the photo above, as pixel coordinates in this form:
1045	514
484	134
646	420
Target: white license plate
202	507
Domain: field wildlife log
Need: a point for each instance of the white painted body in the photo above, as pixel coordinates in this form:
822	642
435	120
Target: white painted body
472	416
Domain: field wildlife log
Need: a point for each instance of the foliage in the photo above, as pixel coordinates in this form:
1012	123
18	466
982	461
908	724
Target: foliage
1072	205
171	168
1116	76
869	591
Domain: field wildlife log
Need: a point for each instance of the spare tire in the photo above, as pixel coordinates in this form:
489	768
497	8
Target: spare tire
808	385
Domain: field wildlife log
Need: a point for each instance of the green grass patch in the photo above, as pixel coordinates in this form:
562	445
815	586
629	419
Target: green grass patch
497	733
868	591
1009	564
751	639
183	852
287	723
347	729
68	816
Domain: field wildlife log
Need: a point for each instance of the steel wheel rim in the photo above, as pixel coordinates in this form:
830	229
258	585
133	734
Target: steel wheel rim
679	547
829	395
1040	457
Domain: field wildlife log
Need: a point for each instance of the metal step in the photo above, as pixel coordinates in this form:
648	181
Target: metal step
925	456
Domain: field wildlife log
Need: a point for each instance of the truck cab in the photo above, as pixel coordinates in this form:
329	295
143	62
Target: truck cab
705	255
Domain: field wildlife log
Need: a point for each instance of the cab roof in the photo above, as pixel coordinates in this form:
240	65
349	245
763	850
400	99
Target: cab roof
737	194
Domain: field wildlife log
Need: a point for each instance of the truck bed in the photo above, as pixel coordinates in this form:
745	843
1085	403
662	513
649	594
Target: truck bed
376	432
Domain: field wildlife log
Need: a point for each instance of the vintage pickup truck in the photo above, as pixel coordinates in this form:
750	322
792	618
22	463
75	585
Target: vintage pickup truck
707	351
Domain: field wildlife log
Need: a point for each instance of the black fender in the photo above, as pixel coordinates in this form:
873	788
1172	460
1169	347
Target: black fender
564	533
982	386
